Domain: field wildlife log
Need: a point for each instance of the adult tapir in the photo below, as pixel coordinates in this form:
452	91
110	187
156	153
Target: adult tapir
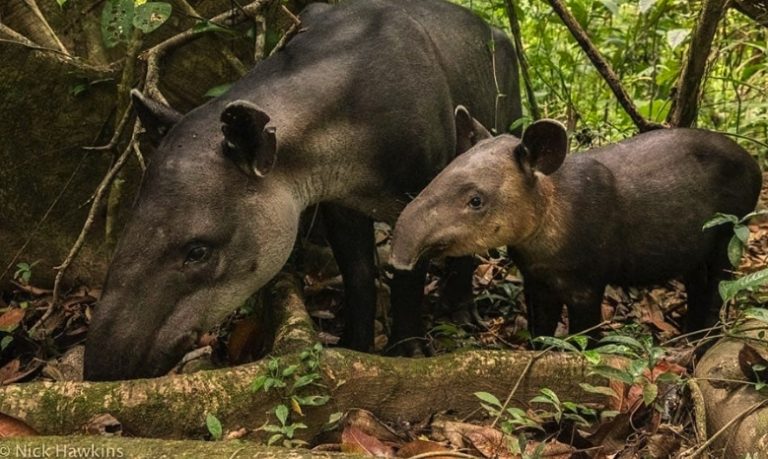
356	112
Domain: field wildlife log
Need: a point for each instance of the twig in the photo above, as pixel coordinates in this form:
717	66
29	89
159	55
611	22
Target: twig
32	4
100	193
514	25
602	66
293	17
685	105
701	449
118	131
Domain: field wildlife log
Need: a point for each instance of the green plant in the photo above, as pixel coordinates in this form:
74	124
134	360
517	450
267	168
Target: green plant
562	410
119	18
291	382
214	426
23	272
729	290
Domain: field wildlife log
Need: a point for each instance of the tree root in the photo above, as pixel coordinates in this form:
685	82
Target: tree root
395	389
736	415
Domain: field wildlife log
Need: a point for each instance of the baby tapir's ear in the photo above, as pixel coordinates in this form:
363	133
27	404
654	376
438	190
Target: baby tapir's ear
543	146
156	118
469	131
248	141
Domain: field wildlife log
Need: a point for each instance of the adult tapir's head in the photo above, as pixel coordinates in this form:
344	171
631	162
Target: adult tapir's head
215	220
489	196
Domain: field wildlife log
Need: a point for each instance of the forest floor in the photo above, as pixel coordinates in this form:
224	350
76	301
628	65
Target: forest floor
655	311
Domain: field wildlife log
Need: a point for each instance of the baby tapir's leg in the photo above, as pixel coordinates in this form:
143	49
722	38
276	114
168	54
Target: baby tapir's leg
456	291
544	307
585	310
701	286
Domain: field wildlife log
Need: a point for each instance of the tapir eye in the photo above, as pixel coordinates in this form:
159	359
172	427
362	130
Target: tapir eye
197	254
475	202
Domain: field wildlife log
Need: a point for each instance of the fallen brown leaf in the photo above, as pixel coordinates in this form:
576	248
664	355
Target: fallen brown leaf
416	447
12	427
12	318
355	441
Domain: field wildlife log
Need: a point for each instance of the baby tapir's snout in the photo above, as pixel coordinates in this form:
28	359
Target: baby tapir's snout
629	214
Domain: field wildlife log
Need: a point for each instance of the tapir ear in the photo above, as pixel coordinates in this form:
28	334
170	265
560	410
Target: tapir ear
156	118
469	131
249	142
543	146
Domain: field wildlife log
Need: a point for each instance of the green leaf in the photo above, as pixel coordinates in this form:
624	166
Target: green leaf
274	438
646	5
313	400
735	250
742	232
116	22
305	380
558	343
611	5
208	26
729	289
550	394
760	314
602	390
214	426
62	3
281	411
625	340
289	370
5	342
719	219
613	373
217	91
592	356
650	392
273	364
258	383
580	340
676	37
488	398
151	15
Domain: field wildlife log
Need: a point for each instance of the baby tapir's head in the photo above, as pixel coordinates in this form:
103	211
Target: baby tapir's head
494	193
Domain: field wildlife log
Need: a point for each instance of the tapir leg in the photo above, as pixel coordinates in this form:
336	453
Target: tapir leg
456	291
351	237
701	286
407	294
585	310
544	307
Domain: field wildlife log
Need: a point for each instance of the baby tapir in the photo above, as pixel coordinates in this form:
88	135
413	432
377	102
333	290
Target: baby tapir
630	213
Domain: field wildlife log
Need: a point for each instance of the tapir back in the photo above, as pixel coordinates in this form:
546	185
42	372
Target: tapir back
666	185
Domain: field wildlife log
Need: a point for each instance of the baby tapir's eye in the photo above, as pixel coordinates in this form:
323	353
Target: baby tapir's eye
197	254
475	202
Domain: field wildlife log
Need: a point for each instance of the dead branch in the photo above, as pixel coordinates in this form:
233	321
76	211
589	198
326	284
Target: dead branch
685	105
514	25
156	54
602	66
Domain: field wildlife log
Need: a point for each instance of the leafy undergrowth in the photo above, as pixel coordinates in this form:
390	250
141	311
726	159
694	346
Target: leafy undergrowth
649	413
